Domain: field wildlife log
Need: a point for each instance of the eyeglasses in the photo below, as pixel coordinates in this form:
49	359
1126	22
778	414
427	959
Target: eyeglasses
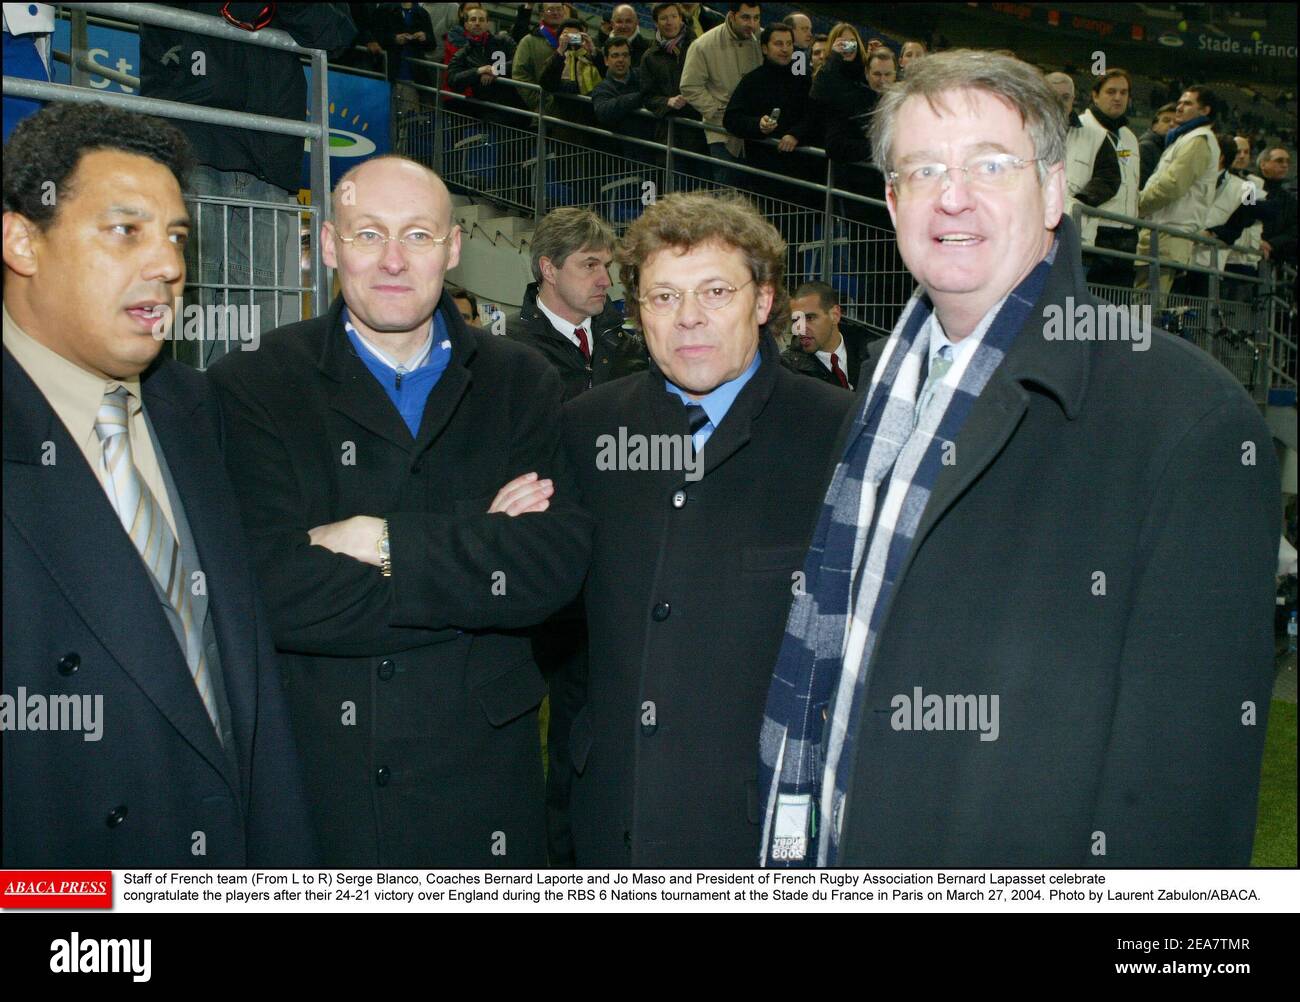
415	241
990	173
663	300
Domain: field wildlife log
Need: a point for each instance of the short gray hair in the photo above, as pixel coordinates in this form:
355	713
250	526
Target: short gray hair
1017	83
566	231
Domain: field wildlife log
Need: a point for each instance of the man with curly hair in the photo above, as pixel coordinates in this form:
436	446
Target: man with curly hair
702	475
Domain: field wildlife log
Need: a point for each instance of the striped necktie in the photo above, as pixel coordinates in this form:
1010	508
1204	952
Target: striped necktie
143	519
697	419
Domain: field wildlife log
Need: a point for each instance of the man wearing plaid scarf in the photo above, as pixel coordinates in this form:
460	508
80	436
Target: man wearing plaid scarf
1037	628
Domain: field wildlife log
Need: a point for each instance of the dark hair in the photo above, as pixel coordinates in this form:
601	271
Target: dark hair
734	8
826	295
1166	109
1111	74
1227	148
48	146
659	8
617	41
573	22
465	8
775	29
821	37
1205	97
469	297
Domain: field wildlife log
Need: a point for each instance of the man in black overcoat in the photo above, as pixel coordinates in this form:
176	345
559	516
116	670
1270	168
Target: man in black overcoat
697	553
369	448
1075	664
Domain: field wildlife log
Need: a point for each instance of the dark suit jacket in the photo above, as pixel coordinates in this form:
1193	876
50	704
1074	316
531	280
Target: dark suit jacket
1126	701
81	617
414	697
686	602
798	360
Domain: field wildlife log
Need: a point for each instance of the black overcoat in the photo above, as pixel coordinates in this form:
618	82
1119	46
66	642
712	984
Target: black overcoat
414	698
686	603
1100	557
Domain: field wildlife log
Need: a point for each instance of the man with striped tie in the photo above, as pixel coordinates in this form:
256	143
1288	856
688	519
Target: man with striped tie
701	528
143	719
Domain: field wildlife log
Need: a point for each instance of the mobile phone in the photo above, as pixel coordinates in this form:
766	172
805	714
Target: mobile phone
575	39
774	114
850	45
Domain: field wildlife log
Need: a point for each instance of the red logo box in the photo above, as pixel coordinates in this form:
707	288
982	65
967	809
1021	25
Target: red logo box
56	888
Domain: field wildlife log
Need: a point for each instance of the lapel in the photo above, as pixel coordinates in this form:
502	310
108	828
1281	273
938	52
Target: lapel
358	396
62	512
200	485
1060	367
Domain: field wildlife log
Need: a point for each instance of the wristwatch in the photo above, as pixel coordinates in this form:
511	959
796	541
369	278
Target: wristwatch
385	554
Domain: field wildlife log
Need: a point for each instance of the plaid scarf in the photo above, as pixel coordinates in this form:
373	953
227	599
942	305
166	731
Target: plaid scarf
890	463
670	45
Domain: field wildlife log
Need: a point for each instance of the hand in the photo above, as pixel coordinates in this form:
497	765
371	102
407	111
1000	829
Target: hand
374	48
563	47
487	79
766	124
842	45
1266	249
403	38
587	44
787	143
419	36
356	537
677	102
523	494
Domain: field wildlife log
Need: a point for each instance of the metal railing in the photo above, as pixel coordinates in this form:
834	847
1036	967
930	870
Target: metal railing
833	234
253	219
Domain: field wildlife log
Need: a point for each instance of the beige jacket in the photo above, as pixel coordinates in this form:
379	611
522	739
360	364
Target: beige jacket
715	62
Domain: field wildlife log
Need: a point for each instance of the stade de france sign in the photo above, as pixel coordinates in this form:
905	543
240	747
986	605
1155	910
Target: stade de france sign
1236	47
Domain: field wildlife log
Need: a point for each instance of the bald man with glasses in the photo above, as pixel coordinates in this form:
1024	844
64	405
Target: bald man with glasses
410	512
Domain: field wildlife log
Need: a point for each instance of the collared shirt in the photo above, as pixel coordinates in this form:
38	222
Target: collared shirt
842	353
418	359
563	326
719	401
76	395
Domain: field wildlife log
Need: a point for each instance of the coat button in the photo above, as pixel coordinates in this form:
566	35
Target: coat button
386	669
661	612
382	775
69	663
116	816
679	499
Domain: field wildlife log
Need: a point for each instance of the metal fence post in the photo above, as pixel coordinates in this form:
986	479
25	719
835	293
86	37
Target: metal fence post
80	46
320	174
439	131
1153	274
539	175
668	158
828	216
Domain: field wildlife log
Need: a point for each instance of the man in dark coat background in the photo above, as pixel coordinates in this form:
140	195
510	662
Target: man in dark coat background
819	347
566	313
696	556
369	448
180	754
1098	557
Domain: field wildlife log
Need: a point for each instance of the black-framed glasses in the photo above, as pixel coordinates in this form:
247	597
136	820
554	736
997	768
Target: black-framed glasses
663	300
